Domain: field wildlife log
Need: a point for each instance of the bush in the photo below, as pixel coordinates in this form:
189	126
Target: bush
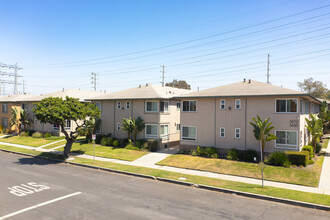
37	135
208	152
47	135
31	132
277	158
310	150
287	164
106	141
24	134
298	158
125	141
131	147
249	155
152	145
318	147
115	143
232	154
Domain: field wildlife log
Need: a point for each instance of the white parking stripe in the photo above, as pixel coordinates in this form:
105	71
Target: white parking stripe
41	204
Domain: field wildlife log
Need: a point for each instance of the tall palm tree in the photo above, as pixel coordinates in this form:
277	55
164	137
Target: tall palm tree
138	126
315	127
128	126
91	127
261	130
25	121
14	120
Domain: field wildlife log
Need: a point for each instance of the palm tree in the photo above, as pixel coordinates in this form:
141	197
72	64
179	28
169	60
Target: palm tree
128	126
261	130
324	114
14	120
91	126
25	121
138	126
315	127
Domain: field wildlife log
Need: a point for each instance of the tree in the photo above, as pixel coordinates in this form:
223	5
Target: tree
57	111
324	114
24	119
314	88
315	127
138	126
14	120
92	125
128	126
261	130
181	84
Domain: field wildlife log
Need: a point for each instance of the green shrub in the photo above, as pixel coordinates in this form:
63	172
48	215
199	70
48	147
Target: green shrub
248	155
287	164
37	135
106	141
277	158
152	145
131	147
232	154
310	162
47	135
125	141
115	143
310	150
82	132
298	158
98	138
318	147
208	152
24	134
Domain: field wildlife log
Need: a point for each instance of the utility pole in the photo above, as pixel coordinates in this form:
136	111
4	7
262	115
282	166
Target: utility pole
15	75
23	86
268	75
163	74
94	78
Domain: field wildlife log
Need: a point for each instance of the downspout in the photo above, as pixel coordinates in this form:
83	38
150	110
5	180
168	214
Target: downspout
215	121
245	130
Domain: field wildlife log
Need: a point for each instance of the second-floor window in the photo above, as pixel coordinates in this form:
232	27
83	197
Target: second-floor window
5	108
164	106
128	105
118	105
237	104
222	104
178	105
24	106
98	105
151	106
286	105
189	106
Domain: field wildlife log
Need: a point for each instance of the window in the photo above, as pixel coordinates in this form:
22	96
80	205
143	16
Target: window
118	126
286	139
56	127
98	105
164	106
163	130
222	132
35	121
286	105
151	130
189	106
178	105
118	105
189	133
306	107
5	108
5	122
178	127
237	104
237	133
222	104
67	125
151	106
128	105
24	106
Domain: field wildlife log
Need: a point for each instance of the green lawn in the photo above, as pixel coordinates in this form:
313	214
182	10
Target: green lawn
55	145
30	141
269	191
308	176
108	152
325	143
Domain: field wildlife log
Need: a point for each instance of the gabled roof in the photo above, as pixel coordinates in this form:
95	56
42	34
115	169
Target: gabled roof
249	88
144	92
15	98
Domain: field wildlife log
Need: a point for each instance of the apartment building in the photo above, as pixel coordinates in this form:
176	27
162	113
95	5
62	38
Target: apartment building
220	117
153	103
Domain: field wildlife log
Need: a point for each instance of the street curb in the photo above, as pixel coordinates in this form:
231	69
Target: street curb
210	188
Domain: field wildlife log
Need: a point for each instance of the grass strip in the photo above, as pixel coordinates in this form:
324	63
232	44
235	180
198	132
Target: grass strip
29	141
325	143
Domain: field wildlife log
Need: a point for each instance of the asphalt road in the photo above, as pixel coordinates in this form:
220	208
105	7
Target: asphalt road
39	189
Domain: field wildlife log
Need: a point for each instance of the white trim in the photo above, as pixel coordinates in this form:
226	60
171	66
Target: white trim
287	146
179	105
66	123
240	103
168	106
297	110
188	101
188	137
239	133
150	135
224	104
146	108
164	136
178	125
224	132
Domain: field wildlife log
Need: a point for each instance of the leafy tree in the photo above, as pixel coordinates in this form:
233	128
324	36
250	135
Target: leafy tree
14	120
315	128
261	130
55	110
181	84
138	126
324	114
24	119
314	88
128	126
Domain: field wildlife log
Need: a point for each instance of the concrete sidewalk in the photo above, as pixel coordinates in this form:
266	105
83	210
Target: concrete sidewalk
158	156
325	173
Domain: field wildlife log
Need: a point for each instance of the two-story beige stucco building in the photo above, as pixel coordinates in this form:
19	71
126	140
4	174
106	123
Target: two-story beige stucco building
153	103
220	117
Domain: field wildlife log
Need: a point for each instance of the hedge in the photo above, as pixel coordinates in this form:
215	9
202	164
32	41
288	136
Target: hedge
298	158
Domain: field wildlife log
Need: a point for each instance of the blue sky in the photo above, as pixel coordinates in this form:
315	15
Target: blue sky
207	43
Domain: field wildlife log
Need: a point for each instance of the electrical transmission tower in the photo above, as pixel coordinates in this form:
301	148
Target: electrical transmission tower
163	74
94	80
268	75
10	74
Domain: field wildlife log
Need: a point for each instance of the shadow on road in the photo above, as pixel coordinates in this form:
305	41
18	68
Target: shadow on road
40	161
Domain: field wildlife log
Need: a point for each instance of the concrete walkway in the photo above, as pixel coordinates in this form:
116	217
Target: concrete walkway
325	173
158	156
50	144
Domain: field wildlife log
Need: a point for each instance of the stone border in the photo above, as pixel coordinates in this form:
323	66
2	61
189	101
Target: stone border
211	188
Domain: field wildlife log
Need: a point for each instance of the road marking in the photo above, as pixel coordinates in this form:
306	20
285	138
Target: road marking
39	205
26	189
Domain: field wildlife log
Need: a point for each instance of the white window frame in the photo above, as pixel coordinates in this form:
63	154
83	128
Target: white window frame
100	105
286	106
224	104
168	106
285	146
54	128
118	126
2	124
168	130
66	123
224	132
178	105
240	104
5	106
128	104
151	135
239	133
118	105
146	106
178	127
189	138
189	105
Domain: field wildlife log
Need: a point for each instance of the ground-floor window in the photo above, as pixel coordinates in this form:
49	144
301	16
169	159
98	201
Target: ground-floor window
222	132
163	130
67	125
151	130
56	127
189	133
237	133
286	139
4	122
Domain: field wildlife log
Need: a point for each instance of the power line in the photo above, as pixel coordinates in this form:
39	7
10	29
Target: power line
94	79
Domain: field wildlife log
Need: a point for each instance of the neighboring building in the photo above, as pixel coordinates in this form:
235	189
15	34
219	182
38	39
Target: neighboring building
154	104
220	117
